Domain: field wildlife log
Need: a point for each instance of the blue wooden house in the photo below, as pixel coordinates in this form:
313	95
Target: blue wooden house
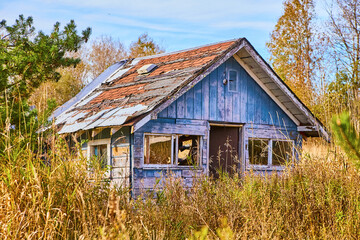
197	111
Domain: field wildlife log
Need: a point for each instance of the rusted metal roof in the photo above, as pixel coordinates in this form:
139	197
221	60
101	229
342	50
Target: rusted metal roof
128	95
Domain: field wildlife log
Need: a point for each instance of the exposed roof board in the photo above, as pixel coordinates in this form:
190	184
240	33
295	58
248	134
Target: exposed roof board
129	94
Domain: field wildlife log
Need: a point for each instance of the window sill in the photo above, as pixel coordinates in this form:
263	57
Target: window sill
170	168
265	168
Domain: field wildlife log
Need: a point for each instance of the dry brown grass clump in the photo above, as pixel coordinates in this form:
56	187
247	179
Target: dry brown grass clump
317	198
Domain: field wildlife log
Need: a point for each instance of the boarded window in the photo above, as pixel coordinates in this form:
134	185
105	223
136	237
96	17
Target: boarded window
188	150
100	152
232	80
157	149
258	151
282	152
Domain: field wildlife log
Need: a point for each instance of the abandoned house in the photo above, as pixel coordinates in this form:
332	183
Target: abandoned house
190	112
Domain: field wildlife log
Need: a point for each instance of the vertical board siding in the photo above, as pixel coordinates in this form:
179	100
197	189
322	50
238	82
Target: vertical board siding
221	93
243	95
172	110
120	157
211	100
145	177
197	102
213	95
205	100
180	106
189	104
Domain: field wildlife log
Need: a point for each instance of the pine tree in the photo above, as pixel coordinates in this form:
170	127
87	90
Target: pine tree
347	137
28	59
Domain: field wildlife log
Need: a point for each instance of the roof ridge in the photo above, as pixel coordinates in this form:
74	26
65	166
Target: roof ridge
184	50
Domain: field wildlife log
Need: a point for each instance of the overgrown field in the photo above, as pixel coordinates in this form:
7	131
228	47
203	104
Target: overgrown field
317	198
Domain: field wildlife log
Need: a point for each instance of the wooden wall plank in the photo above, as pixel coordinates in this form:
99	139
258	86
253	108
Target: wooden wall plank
198	101
181	107
235	101
220	93
163	113
189	104
258	104
228	107
243	95
213	95
205	97
172	110
250	101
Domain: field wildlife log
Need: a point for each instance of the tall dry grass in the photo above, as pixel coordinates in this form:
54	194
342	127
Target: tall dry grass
319	198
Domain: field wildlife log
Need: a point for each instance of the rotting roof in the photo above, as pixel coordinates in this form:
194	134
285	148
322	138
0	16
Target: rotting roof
130	95
125	97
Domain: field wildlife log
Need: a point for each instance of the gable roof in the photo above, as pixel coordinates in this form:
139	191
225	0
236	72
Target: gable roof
127	98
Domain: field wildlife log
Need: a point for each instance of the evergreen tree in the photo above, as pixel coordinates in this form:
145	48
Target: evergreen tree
28	59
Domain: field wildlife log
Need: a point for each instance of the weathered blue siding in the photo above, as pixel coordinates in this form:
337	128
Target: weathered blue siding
145	177
211	100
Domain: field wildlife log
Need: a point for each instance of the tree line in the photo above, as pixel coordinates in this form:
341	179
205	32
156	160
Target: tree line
318	57
40	71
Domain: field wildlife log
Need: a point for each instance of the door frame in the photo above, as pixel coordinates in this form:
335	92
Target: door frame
241	142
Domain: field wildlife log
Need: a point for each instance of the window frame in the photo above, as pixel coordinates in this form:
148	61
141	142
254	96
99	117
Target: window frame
292	150
174	151
98	142
171	155
270	154
236	81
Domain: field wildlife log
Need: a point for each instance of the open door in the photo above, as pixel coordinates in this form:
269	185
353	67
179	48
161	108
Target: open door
224	150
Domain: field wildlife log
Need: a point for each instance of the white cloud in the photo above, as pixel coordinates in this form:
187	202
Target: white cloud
178	24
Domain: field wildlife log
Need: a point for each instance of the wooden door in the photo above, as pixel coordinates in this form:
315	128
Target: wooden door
224	150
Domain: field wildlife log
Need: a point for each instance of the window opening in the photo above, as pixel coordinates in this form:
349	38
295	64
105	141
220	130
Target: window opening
176	150
270	152
100	153
157	149
188	150
282	152
258	151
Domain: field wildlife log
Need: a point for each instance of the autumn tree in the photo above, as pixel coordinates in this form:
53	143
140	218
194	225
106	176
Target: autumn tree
344	35
103	53
292	48
144	46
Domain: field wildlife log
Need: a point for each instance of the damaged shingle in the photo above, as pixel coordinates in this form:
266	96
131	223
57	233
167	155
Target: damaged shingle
127	94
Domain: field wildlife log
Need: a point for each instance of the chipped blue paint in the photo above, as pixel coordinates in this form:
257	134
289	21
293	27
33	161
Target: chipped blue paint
211	100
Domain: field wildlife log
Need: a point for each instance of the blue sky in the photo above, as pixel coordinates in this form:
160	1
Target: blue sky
174	24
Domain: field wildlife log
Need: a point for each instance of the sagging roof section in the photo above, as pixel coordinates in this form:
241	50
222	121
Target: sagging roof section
126	97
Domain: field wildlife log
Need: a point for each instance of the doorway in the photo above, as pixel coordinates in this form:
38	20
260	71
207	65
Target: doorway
224	150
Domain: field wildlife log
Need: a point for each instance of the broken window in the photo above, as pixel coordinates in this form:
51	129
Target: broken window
157	149
258	151
187	150
282	152
232	80
175	150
